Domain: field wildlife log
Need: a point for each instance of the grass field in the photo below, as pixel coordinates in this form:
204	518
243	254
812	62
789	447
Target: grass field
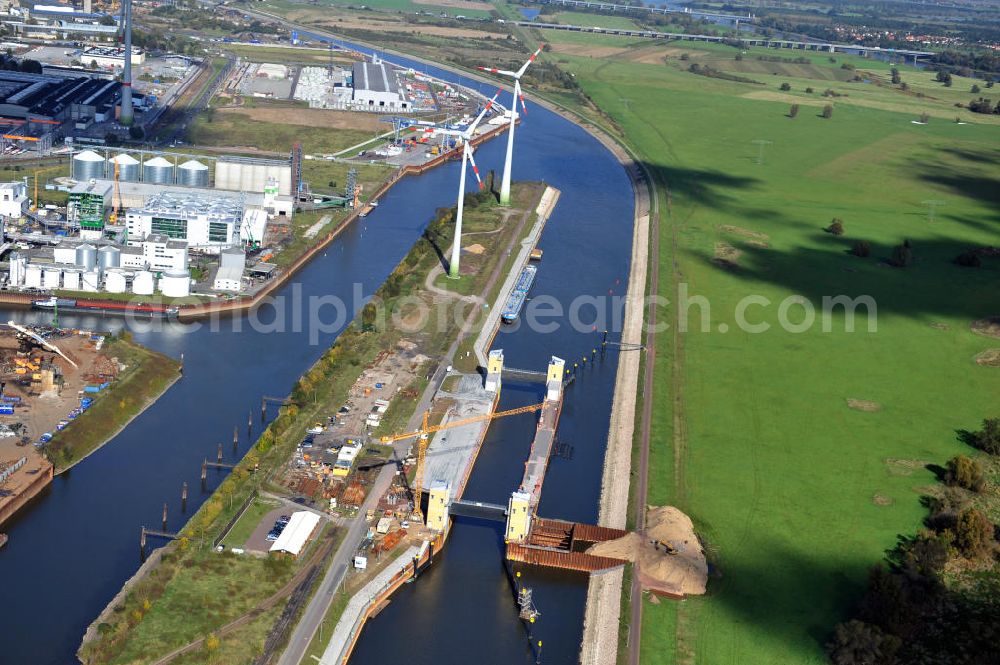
234	129
796	493
450	7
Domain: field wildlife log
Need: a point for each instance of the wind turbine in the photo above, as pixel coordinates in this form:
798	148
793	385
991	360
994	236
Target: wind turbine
466	136
505	184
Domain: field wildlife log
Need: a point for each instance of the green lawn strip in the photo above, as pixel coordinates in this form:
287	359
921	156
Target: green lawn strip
147	376
245	526
236	130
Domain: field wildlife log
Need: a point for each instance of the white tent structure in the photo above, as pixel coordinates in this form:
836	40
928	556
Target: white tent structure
296	533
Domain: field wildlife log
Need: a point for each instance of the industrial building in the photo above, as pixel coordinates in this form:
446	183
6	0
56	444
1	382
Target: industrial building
13	199
33	97
376	88
229	275
110	57
206	223
293	538
59	22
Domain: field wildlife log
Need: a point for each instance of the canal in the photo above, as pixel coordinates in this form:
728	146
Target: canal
71	551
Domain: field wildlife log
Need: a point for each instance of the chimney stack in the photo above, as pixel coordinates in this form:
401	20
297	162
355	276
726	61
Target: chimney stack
126	116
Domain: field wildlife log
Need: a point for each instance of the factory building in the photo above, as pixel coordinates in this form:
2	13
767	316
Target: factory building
245	174
110	57
229	275
377	89
13	199
48	97
206	223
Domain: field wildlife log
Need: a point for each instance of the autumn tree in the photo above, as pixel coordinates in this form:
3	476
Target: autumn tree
963	471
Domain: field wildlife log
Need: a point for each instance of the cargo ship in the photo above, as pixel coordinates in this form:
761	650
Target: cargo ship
515	302
105	307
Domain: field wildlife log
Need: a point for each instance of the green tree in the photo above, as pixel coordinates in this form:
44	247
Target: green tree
793	110
828	111
858	643
785	87
974	89
861	248
902	255
988	438
974	534
136	133
965	472
836	227
368	315
896	80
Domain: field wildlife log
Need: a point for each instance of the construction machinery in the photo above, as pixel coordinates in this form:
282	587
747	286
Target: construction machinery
116	203
424	440
34	200
42	342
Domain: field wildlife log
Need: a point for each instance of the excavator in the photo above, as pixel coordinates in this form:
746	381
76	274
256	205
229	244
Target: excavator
424	440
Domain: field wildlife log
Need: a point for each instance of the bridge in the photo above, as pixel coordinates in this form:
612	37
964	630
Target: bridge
828	47
625	9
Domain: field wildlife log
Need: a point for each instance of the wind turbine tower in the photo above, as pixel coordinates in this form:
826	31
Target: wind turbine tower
516	97
126	116
466	136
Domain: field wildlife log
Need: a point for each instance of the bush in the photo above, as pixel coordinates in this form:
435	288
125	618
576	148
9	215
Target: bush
836	227
974	534
965	472
785	87
828	111
902	255
974	89
793	111
809	91
862	248
968	259
988	438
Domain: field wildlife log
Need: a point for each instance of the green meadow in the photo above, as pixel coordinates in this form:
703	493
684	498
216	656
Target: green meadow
800	453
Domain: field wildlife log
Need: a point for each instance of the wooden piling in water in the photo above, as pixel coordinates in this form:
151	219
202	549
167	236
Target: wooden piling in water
236	438
219	454
184	496
164	515
204	474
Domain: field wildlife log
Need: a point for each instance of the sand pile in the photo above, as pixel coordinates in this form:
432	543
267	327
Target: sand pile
668	555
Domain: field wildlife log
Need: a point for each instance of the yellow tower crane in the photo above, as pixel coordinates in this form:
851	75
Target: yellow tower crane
116	204
34	201
424	440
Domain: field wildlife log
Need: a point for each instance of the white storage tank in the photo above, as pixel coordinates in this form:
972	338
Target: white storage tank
64	252
128	167
192	173
175	283
158	171
33	276
88	165
18	264
143	283
51	278
71	279
114	281
108	257
86	256
90	281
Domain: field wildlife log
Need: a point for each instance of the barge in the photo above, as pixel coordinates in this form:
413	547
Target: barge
105	307
515	302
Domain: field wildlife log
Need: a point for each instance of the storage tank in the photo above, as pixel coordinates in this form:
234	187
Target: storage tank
33	277
71	279
18	263
86	256
158	171
142	283
90	280
87	165
51	278
128	167
108	257
114	280
175	283
192	173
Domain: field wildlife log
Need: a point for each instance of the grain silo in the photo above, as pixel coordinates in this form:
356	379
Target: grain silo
108	257
128	167
86	256
88	165
158	171
192	173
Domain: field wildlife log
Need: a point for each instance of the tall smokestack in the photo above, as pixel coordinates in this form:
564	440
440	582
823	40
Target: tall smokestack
126	116
88	6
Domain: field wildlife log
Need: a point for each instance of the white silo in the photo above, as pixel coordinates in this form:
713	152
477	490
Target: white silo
90	280
143	283
51	278
86	256
88	165
108	256
18	264
128	167
33	276
192	173
71	279
158	171
114	281
175	283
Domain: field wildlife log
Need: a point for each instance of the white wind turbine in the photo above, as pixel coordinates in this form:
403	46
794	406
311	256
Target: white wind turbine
505	184
466	136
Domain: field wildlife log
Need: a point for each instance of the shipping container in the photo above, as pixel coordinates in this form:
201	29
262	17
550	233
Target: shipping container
7	409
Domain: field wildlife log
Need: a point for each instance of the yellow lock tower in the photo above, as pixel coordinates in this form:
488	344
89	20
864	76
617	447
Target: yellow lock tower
438	499
518	517
494	371
553	379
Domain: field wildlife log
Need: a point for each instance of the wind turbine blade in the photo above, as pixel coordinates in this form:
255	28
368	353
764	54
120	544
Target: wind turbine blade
475	123
475	169
523	106
524	67
494	70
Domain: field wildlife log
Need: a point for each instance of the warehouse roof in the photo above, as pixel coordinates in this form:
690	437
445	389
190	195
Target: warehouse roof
296	533
377	78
